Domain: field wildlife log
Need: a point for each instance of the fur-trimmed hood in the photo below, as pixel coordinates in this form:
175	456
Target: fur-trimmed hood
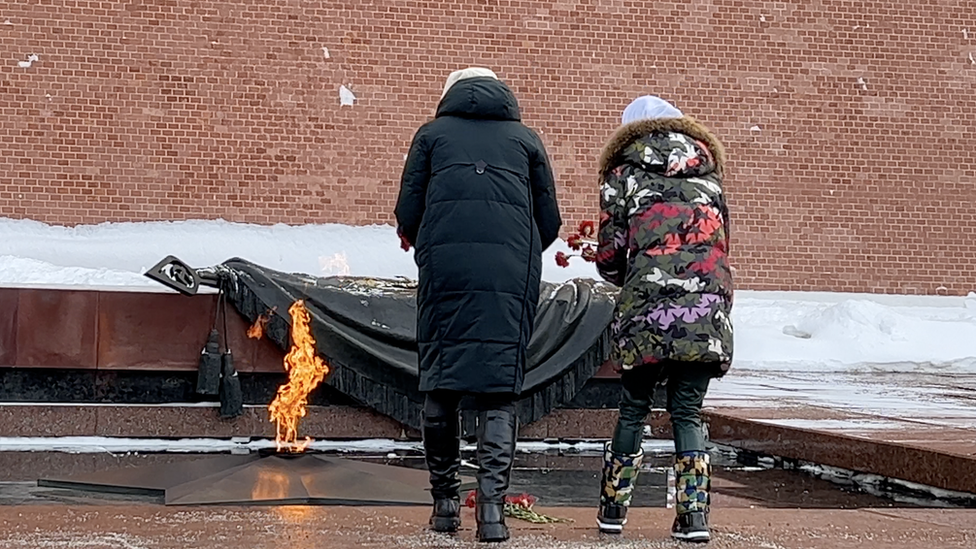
626	135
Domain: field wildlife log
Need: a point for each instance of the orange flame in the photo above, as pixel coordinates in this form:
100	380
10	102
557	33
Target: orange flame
305	372
256	331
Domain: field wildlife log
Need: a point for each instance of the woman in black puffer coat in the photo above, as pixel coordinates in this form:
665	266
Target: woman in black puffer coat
478	204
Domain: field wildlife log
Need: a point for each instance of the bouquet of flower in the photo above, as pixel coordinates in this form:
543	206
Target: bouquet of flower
581	241
519	507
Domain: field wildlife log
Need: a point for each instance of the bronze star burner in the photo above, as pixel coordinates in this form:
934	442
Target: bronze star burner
255	479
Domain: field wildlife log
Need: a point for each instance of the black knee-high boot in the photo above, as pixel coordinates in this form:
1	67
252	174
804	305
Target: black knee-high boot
443	453
497	431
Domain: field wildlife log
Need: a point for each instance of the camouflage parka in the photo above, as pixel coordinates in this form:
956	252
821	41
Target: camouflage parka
664	239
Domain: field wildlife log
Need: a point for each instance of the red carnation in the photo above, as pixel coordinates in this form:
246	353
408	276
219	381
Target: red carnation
562	259
575	242
471	500
587	229
525	501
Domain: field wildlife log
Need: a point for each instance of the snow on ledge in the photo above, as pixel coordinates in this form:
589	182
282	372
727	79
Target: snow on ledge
117	254
243	445
798	331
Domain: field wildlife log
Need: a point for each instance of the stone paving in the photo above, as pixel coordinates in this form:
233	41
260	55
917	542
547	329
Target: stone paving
768	509
156	527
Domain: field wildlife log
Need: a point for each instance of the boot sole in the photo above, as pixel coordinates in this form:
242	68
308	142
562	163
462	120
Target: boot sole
694	537
495	533
609	528
445	525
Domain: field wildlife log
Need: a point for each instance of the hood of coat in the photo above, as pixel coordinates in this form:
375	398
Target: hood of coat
481	98
664	138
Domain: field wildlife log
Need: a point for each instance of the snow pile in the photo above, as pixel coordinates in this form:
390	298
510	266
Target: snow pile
118	253
35	272
853	332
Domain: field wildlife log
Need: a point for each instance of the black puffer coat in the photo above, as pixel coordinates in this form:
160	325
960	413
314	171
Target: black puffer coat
477	202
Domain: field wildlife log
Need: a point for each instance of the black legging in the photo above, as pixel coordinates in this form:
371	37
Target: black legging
686	386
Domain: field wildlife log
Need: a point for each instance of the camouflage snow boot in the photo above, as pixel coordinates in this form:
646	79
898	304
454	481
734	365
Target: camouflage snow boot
693	479
619	476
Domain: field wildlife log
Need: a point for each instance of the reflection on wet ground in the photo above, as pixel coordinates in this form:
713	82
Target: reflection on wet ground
557	478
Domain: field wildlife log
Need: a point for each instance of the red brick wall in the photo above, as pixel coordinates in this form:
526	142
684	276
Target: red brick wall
859	174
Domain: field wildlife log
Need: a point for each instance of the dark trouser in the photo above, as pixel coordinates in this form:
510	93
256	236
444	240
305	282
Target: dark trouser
443	405
686	388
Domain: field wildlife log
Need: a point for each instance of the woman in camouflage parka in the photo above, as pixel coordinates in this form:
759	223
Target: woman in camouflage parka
664	240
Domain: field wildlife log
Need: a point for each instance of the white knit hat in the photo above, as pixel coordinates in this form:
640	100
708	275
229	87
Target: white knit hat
649	107
470	72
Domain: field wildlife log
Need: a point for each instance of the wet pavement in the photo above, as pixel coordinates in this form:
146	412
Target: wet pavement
298	527
557	479
753	507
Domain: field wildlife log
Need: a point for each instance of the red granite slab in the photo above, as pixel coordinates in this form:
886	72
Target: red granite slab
923	464
152	331
268	358
245	350
47	421
200	421
57	329
585	424
8	326
167	332
321	422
